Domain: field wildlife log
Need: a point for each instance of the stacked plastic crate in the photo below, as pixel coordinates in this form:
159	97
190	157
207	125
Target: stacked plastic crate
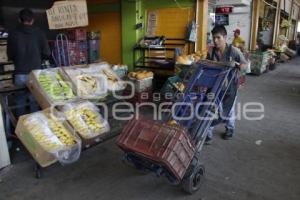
93	47
77	46
259	62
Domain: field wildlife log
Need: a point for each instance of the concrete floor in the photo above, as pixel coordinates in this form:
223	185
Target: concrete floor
261	162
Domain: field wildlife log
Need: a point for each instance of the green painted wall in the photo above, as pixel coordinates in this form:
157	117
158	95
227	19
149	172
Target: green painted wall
129	34
133	12
140	7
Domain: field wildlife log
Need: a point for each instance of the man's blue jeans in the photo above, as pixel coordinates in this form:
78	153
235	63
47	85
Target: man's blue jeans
23	96
229	121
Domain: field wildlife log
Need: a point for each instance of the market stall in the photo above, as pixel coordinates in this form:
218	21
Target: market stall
75	98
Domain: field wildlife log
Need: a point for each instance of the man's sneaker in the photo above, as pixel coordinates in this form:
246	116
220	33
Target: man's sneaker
228	134
208	141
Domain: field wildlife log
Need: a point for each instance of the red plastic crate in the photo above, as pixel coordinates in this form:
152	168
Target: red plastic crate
78	52
77	34
162	143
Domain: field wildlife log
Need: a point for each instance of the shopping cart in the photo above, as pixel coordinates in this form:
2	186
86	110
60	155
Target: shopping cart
173	150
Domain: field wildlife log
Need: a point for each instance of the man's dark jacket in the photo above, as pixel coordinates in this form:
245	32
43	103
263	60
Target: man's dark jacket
27	46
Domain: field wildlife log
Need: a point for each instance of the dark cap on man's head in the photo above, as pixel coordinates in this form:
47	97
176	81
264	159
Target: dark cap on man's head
26	15
219	29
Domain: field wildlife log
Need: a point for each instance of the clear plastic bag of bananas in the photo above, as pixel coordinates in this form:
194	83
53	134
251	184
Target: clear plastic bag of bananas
54	136
54	86
88	85
114	83
86	119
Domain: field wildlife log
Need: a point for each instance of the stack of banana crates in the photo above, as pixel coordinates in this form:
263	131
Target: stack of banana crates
259	61
69	121
59	134
65	84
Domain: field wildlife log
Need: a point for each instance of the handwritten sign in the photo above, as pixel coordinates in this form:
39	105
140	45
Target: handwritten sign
68	14
152	23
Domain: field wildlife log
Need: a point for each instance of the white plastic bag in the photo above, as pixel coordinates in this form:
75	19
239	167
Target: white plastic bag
54	137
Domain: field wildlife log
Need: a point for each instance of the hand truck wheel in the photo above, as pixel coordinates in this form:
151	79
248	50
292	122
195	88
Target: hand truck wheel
194	178
129	161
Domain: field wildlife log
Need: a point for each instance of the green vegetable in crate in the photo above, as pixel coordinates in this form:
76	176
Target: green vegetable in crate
54	86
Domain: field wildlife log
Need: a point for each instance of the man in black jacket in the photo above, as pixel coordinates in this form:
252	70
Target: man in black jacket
27	46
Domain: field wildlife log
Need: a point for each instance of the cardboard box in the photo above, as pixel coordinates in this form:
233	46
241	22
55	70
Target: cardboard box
65	73
10	67
87	141
105	68
6	84
42	98
94	69
40	155
3	55
143	85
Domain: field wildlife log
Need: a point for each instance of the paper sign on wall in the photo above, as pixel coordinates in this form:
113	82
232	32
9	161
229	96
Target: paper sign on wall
67	14
152	23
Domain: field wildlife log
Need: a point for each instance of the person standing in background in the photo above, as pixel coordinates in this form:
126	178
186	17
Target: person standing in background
27	46
238	41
